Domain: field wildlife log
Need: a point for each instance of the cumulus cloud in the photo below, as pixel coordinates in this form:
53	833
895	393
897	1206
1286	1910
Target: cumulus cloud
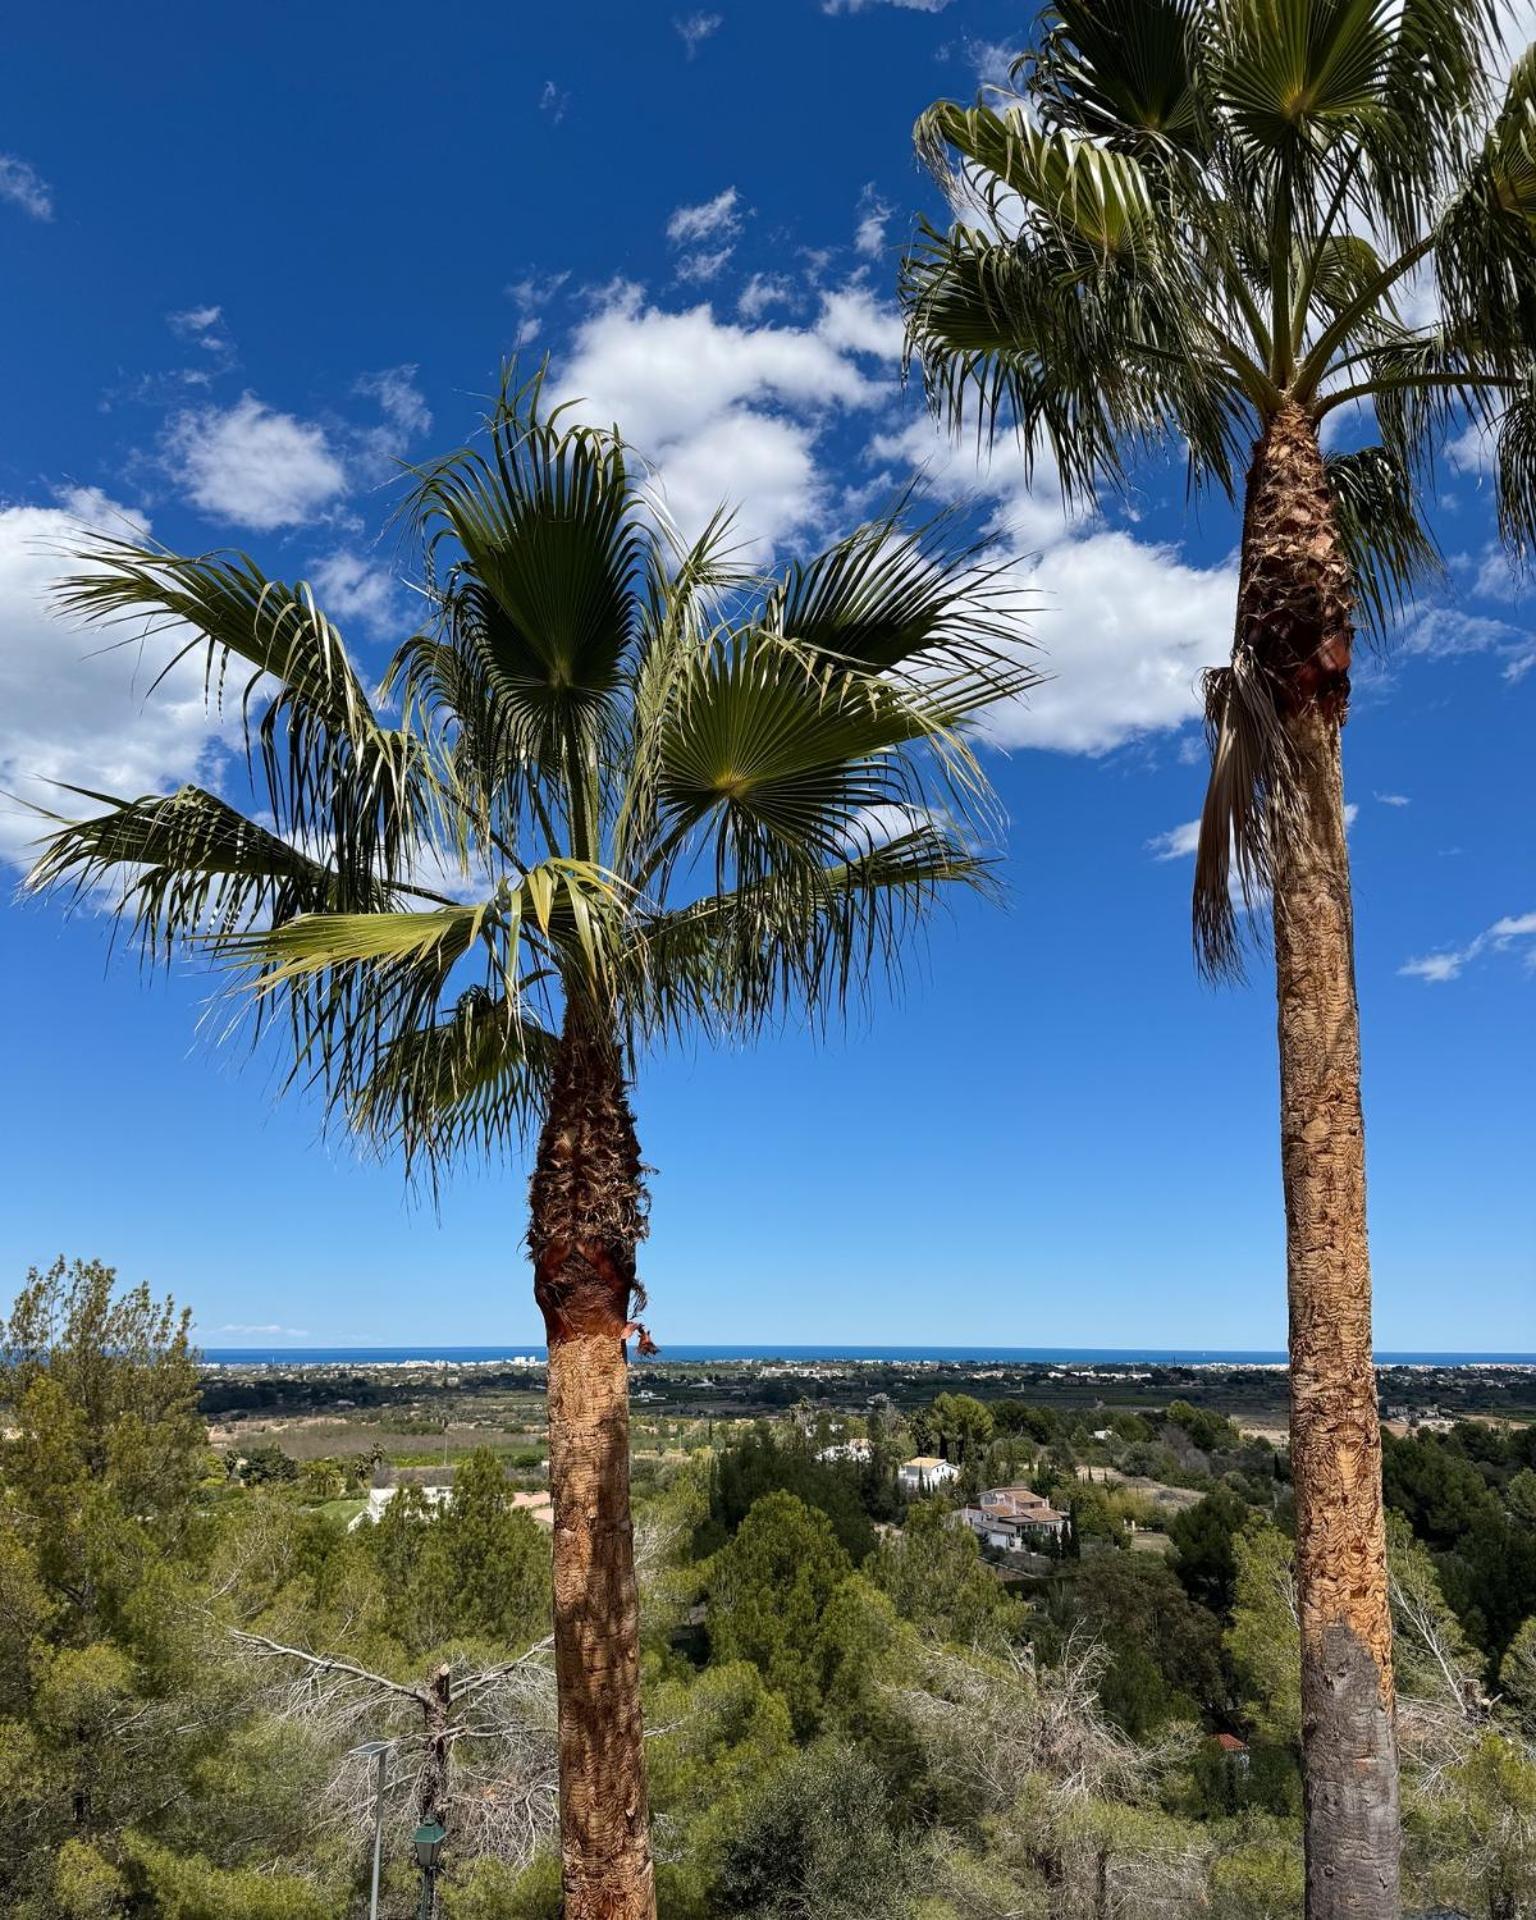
743	411
693	29
351	587
709	220
1449	963
75	704
23	186
1125	625
728	411
251	465
762	291
1177	843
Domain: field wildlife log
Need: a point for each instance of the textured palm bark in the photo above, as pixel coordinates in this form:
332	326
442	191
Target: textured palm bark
588	1215
1294	613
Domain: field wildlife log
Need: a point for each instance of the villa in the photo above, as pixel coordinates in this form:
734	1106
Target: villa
1014	1520
925	1474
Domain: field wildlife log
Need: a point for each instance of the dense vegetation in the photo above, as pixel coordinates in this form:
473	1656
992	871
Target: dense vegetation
851	1711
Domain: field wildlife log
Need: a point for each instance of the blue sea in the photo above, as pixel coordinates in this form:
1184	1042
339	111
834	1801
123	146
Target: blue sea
1039	1356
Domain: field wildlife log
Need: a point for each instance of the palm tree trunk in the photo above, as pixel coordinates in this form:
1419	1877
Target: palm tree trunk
1294	615
588	1214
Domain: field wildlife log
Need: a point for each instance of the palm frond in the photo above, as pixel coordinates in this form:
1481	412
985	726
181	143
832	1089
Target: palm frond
770	754
1252	798
538	550
473	1082
180	863
334	775
1292	76
1390	550
894	595
806	939
1122	71
1082	192
1515	471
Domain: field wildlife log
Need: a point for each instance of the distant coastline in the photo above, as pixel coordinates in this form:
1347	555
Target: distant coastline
534	1352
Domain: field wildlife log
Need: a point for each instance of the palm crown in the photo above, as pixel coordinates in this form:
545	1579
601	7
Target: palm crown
631	782
1197	215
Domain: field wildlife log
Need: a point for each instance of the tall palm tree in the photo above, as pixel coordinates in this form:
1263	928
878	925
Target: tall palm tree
633	791
1194	224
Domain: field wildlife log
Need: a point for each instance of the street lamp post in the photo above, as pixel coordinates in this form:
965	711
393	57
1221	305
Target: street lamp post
378	1752
428	1842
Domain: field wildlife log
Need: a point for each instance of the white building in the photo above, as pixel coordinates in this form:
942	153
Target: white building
925	1474
856	1449
380	1497
535	1505
1014	1520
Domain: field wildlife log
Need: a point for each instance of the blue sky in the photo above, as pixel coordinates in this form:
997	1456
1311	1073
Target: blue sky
252	259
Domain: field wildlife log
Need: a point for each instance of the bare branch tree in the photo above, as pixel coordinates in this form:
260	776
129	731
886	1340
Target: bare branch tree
473	1747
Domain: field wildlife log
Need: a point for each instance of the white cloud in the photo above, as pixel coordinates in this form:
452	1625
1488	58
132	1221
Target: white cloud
1449	962
716	221
1182	841
532	295
1126	628
349	587
1177	843
709	220
1394	799
853	321
869	235
1446	632
400	400
695	28
250	465
23	186
737	412
201	326
75	705
554	101
727	412
695	268
762	291
268	1327
862	6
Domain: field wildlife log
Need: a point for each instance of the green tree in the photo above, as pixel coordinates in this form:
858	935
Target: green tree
769	1591
1517	1676
816	1842
740	1475
1165	1651
1204	1553
101	1449
495	1559
963	1426
1194	230
935	1576
669	788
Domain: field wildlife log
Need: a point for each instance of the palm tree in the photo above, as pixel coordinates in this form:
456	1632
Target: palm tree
1194	225
634	792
